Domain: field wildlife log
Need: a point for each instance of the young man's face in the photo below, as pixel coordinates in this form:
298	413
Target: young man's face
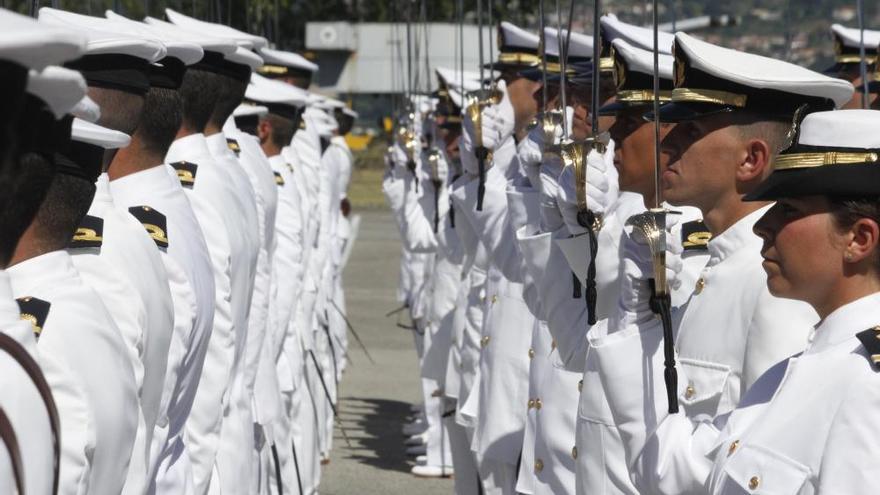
701	158
634	151
521	91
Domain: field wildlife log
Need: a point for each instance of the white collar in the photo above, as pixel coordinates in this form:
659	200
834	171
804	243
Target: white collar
737	237
846	321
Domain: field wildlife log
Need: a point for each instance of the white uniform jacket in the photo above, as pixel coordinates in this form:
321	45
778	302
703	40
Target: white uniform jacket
22	403
191	282
85	361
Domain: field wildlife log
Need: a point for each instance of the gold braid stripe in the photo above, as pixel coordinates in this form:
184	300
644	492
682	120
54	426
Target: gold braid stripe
606	64
639	95
708	96
519	58
854	59
273	69
810	160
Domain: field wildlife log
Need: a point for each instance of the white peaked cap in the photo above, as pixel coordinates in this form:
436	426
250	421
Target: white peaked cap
186	51
289	59
36	45
89	133
61	89
265	90
330	104
207	42
851	37
351	113
640	60
103	37
760	72
324	124
454	79
246	110
243	39
515	36
579	46
87	110
856	129
637	36
246	57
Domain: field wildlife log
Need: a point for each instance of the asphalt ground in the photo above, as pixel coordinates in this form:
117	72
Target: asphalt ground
375	398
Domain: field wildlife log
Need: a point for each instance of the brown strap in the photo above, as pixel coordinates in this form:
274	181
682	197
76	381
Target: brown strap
7	435
30	366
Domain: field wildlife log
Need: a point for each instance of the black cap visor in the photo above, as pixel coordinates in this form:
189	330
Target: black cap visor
675	112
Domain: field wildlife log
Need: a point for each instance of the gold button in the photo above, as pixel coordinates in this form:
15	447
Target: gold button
581	386
494	299
538	404
754	482
539	465
574	452
701	284
531	403
733	447
553	344
531	353
689	392
484	341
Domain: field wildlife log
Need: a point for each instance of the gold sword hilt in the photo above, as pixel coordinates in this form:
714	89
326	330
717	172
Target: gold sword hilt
650	228
574	154
477	101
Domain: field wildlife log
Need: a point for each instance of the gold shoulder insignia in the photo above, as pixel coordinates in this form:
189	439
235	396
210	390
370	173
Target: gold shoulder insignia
89	234
278	179
233	145
695	236
35	311
870	339
186	173
154	222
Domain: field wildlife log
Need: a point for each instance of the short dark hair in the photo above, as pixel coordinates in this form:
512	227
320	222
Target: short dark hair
282	129
160	119
24	189
66	203
120	110
230	94
198	93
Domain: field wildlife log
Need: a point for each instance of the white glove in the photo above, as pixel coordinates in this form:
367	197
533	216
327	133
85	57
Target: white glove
551	217
497	122
399	160
599	193
637	268
530	151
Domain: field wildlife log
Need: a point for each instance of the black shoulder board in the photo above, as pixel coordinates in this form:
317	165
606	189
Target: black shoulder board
233	145
34	311
154	222
89	234
278	179
695	236
186	173
870	339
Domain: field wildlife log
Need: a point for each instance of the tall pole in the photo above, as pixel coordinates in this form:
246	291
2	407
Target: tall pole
863	63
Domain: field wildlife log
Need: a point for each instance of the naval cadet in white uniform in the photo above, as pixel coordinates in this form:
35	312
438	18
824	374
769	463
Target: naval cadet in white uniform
717	109
29	422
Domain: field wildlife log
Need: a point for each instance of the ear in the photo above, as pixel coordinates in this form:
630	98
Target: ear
756	161
264	130
863	244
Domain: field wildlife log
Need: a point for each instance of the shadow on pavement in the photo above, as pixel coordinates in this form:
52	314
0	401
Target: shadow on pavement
374	428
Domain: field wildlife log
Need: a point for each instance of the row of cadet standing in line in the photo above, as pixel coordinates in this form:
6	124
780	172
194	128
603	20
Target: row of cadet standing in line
772	263
175	221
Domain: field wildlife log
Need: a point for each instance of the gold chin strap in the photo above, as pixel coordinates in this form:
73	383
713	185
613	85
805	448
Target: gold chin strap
641	96
708	96
519	58
811	160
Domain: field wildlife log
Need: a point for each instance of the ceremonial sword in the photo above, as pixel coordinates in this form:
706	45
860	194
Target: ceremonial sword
651	227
